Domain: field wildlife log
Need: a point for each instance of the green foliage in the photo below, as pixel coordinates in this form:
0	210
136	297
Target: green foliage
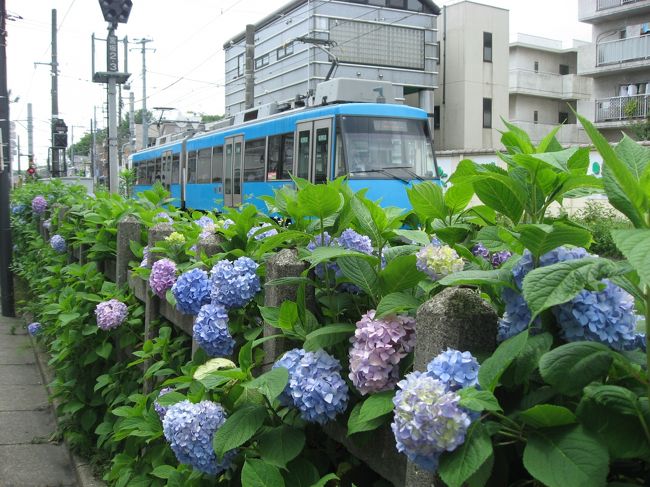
600	220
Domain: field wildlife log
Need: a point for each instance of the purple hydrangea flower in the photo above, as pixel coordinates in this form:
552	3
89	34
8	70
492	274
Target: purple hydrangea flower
39	205
438	261
162	410
315	386
189	428
351	240
480	250
378	345
455	369
192	290
162	216
605	316
235	284
57	242
145	257
34	328
261	236
428	419
204	221
498	258
110	314
211	332
162	277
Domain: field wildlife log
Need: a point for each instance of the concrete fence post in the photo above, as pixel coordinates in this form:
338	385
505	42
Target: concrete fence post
455	318
152	303
128	229
282	264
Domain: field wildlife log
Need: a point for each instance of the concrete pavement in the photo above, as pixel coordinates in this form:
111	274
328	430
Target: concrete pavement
28	455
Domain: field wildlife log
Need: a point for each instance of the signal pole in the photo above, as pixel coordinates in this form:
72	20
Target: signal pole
6	247
145	121
56	167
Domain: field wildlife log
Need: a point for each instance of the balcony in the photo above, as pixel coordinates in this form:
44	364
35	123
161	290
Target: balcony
623	50
549	85
605	10
622	108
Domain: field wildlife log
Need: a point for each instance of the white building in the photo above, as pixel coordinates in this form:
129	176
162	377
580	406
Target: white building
545	89
618	59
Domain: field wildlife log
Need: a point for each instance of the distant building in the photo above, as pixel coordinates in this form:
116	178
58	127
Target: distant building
545	89
618	60
473	88
388	40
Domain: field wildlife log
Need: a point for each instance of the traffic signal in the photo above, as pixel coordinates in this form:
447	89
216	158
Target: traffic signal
31	170
60	140
116	11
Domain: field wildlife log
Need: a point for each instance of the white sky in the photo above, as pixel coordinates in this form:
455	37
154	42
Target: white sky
186	70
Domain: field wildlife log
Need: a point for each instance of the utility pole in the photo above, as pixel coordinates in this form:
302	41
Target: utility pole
132	121
93	172
145	122
30	135
6	247
56	167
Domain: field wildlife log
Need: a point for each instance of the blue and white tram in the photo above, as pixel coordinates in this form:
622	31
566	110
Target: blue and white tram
382	147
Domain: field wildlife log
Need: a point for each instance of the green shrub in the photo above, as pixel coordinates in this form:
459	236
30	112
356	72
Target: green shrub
600	218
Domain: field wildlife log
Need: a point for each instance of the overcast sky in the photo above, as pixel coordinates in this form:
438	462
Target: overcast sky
186	70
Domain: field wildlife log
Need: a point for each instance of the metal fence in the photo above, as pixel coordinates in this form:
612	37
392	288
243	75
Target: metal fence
622	108
622	50
605	4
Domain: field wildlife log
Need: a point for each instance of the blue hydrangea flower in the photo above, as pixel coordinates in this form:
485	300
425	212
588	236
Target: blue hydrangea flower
480	250
455	369
34	328
211	332
289	361
39	205
234	284
605	316
351	240
315	386
189	428
161	410
57	242
428	420
638	342
17	209
322	240
261	236
192	290
163	217
204	221
498	258
145	257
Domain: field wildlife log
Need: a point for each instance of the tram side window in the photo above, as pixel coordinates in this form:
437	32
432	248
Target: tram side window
217	164
151	166
191	167
157	172
204	166
175	169
254	160
340	156
280	157
141	172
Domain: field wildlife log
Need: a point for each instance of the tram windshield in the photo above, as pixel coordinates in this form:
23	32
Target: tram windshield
387	148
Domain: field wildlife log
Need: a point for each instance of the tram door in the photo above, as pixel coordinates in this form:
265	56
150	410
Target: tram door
313	150
232	170
166	170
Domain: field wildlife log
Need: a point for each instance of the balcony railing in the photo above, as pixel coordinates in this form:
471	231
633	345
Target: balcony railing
605	4
623	50
622	108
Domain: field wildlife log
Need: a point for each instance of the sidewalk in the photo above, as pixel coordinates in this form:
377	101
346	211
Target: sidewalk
27	457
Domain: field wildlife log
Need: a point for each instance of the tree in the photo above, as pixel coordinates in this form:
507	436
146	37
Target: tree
211	118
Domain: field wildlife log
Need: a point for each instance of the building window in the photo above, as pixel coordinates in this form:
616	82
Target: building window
564	69
563	117
396	4
535	116
262	61
487	47
284	51
536	66
436	117
241	65
487	113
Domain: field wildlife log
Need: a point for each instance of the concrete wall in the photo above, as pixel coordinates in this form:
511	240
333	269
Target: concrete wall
522	108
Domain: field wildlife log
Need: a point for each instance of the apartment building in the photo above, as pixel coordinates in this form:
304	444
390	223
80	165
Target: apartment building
473	73
297	46
618	60
545	88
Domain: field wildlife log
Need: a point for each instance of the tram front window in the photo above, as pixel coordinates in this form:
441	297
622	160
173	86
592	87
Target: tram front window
387	147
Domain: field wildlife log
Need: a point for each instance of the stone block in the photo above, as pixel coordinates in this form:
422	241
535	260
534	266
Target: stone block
19	427
23	398
22	374
128	229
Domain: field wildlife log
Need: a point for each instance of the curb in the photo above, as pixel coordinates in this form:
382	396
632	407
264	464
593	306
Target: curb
83	470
